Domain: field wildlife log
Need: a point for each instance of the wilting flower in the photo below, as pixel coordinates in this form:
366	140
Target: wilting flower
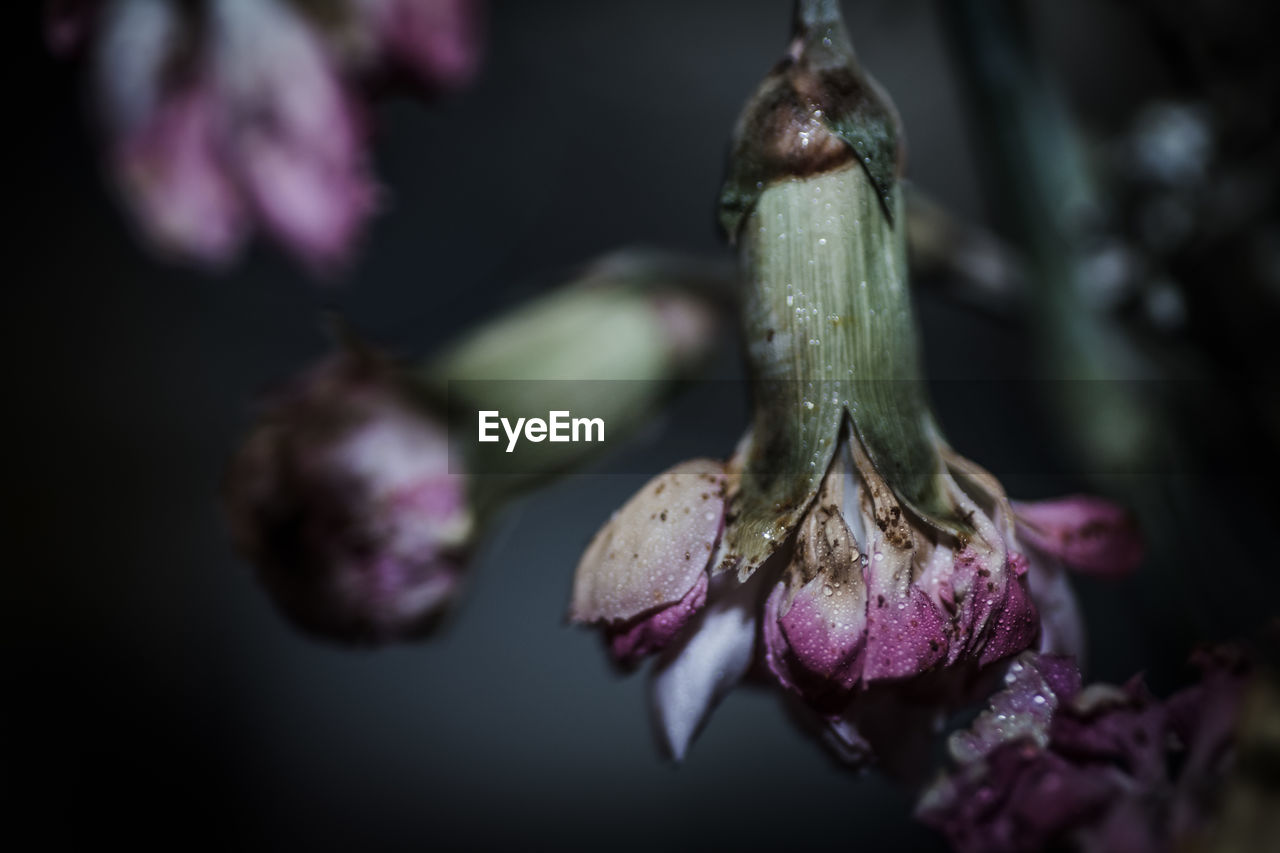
222	116
348	500
1053	766
846	548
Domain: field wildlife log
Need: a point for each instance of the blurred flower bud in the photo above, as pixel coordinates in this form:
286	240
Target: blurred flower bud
614	343
358	512
347	500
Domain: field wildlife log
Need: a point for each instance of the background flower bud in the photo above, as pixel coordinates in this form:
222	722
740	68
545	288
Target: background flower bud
346	499
360	514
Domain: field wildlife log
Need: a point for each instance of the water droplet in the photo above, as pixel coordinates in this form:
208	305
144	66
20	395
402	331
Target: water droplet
822	241
808	404
828	591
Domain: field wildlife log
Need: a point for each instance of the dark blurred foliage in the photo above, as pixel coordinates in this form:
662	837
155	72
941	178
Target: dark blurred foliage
155	697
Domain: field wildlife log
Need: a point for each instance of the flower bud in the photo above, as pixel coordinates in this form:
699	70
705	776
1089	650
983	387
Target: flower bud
348	502
359	513
613	343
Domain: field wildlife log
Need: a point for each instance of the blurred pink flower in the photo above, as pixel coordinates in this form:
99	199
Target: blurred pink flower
1053	766
226	116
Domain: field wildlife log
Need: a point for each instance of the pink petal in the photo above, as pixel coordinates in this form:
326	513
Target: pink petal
655	632
314	207
174	180
906	633
996	617
439	40
292	135
1017	621
824	633
1088	534
653	551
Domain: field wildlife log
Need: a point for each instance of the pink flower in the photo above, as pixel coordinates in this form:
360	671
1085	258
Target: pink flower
229	116
864	611
349	503
863	566
1053	766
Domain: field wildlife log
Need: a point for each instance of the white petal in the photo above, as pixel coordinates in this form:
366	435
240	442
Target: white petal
1061	628
712	656
654	549
138	40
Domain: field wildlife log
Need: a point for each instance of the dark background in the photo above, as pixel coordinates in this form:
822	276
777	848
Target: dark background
152	693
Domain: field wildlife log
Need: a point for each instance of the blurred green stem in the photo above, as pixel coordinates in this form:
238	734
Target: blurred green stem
1045	200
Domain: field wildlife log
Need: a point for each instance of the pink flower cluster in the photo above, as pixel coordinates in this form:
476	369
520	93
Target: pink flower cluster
225	116
864	610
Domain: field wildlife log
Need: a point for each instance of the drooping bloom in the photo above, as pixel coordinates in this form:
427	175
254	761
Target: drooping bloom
1052	765
862	562
225	116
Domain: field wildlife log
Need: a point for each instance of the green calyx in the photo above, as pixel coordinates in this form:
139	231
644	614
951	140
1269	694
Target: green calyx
816	111
827	316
